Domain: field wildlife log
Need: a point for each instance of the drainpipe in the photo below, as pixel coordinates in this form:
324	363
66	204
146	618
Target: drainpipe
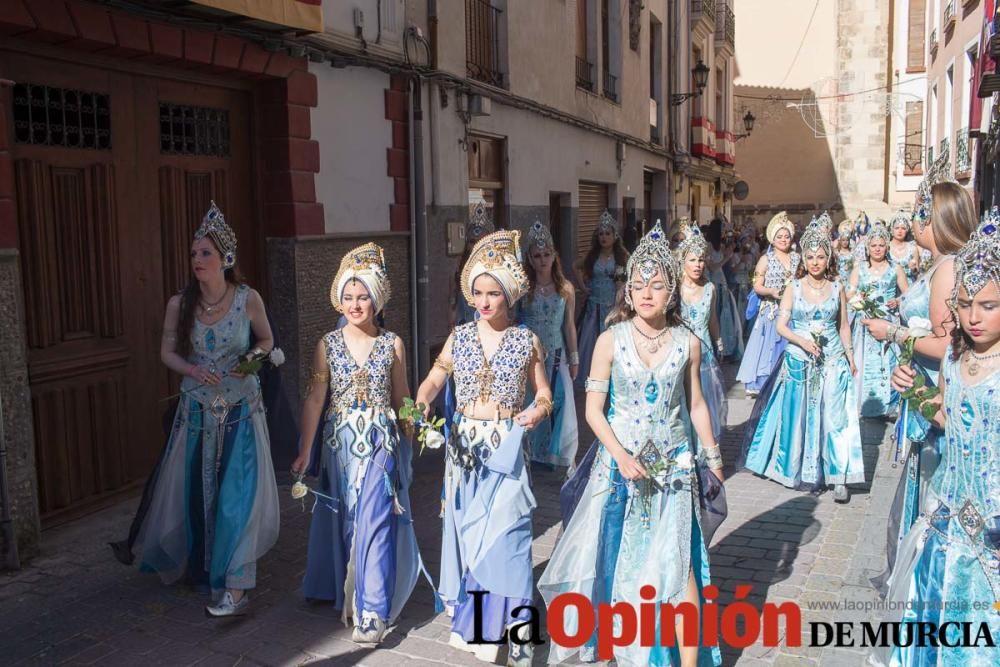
671	112
418	233
11	559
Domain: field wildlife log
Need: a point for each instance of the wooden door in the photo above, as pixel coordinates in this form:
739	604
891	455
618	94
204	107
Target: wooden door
101	250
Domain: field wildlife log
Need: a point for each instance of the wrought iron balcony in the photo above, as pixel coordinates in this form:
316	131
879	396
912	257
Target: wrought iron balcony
949	16
482	42
584	74
963	156
944	146
703	10
725	25
610	86
930	155
933	42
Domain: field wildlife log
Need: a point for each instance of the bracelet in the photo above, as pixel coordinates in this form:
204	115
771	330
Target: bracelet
574	358
545	404
901	335
446	366
597	386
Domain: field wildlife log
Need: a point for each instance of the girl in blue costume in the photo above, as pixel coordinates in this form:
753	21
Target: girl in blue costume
638	520
808	434
730	321
843	252
698	311
362	549
225	516
952	552
600	271
882	282
944	219
486	544
774	271
903	253
547	310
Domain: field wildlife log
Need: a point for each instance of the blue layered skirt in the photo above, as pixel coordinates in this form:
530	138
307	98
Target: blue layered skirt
554	440
875	361
763	350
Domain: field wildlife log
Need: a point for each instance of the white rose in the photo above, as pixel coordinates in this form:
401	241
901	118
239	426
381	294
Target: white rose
856	303
919	327
277	357
299	490
816	328
684	460
433	439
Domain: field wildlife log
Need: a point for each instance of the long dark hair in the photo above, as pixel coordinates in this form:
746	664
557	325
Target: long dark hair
558	277
190	296
960	341
831	267
587	266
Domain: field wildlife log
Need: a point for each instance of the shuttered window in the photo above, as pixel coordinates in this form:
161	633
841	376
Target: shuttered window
913	145
916	39
593	202
581	29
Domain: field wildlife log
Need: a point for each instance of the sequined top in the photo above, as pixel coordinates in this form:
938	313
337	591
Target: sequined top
649	405
696	315
775	277
369	386
218	347
602	281
823	315
545	315
502	379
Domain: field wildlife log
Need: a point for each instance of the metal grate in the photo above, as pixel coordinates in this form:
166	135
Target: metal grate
187	130
47	116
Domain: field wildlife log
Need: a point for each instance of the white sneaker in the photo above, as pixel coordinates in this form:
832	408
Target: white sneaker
369	630
485	652
841	494
227	607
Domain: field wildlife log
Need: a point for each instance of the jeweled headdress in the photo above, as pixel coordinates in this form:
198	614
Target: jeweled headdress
365	264
816	237
938	172
497	255
651	256
826	222
978	262
480	223
900	218
214	226
539	236
878	230
607	223
694	242
845	228
862	223
779	222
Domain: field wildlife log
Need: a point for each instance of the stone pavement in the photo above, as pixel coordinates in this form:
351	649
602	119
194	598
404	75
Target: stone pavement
76	605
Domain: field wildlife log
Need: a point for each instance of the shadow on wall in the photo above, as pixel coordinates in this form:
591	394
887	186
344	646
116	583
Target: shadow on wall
788	161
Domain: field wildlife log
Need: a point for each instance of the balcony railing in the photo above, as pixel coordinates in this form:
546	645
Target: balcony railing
584	74
949	15
725	24
703	9
610	86
963	157
943	148
930	155
482	42
933	42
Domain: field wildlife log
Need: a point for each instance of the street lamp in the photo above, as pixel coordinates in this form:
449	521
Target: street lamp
700	74
748	121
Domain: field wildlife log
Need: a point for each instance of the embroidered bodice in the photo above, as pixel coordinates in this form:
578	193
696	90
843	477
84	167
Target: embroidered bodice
821	315
501	379
545	315
902	259
775	277
369	386
218	347
967	480
845	263
602	282
696	315
649	405
880	289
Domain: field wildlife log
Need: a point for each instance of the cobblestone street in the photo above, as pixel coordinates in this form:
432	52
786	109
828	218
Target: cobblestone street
75	604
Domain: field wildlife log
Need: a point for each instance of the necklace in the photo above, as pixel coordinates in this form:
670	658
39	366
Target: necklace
973	360
652	343
209	307
544	290
818	291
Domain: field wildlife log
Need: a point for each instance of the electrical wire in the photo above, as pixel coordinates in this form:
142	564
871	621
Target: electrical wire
798	51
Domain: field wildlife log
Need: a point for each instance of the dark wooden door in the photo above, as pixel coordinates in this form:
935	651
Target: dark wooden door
101	251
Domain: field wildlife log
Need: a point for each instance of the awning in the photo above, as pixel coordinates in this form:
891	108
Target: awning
305	15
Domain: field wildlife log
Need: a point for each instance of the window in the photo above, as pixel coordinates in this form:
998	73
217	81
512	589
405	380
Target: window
611	34
483	36
913	140
916	44
486	179
655	76
186	130
584	59
720	103
47	116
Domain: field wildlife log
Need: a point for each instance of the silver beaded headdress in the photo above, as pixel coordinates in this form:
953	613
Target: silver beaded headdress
900	218
480	224
816	236
651	256
825	221
938	172
607	223
214	226
539	236
978	262
694	241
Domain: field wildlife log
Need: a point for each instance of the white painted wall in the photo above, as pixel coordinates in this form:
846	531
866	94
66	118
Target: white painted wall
353	136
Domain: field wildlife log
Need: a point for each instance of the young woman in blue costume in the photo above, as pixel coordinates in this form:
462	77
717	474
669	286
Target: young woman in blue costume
600	271
488	502
808	434
843	253
362	549
638	522
698	311
773	272
952	552
226	515
730	321
944	219
902	252
547	310
882	282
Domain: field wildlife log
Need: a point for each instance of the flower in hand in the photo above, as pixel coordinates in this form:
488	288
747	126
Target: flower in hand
922	397
413	421
251	362
918	327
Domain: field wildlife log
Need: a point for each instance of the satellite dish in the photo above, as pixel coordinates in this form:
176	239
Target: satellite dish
741	190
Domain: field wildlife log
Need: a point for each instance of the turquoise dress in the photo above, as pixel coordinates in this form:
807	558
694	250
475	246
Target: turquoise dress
554	440
730	321
950	553
903	260
602	297
874	359
808	435
624	535
214	510
696	315
845	264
